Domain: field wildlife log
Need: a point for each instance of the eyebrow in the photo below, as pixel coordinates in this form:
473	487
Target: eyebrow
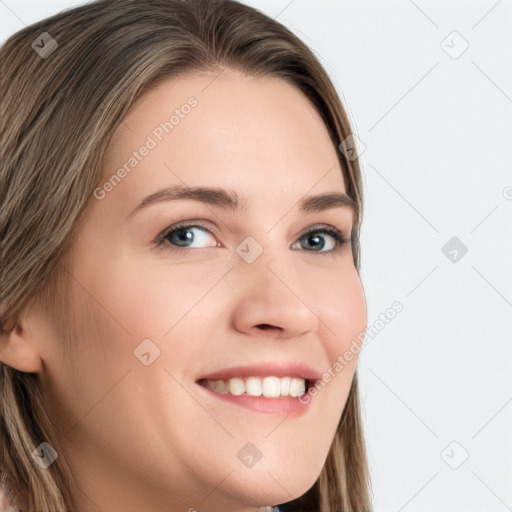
229	199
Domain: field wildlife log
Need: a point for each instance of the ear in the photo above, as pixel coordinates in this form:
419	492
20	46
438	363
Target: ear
17	348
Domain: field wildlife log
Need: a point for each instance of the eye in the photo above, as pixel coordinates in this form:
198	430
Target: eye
180	237
312	237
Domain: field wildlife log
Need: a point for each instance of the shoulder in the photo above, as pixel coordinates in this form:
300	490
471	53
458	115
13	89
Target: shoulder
6	501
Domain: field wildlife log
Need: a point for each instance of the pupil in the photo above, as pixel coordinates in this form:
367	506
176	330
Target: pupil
185	235
316	237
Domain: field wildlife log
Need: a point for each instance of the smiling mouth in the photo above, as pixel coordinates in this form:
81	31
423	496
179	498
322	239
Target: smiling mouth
268	387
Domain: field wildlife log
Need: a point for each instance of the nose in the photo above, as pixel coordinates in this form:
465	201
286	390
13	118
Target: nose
271	300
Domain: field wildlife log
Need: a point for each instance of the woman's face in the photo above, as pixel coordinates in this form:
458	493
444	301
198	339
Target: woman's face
243	293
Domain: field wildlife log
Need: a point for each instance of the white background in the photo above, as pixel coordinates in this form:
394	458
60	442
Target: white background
437	133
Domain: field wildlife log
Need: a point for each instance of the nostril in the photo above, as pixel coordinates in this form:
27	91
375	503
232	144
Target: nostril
266	326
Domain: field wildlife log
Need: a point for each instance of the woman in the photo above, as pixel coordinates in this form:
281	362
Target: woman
180	266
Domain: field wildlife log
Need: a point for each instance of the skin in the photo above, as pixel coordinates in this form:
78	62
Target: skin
144	437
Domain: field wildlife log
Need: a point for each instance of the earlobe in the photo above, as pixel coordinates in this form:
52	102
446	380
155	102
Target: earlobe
18	351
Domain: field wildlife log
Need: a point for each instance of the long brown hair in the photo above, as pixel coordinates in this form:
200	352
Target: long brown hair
59	111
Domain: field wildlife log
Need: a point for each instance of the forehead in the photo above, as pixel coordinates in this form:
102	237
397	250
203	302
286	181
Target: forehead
260	136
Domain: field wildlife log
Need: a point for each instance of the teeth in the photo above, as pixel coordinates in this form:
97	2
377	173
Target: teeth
285	386
236	386
269	387
220	386
253	386
297	387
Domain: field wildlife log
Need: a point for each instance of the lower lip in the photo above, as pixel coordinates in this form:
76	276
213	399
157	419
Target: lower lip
278	405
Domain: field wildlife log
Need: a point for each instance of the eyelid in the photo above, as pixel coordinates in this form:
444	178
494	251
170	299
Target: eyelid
182	225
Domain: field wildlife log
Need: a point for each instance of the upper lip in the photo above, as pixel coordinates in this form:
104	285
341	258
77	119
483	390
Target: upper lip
270	369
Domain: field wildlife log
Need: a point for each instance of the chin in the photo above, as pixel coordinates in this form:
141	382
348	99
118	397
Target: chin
273	485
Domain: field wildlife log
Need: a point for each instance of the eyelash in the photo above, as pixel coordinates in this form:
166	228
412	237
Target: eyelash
162	243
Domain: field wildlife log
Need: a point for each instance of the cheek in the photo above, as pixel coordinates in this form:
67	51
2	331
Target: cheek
149	297
343	312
